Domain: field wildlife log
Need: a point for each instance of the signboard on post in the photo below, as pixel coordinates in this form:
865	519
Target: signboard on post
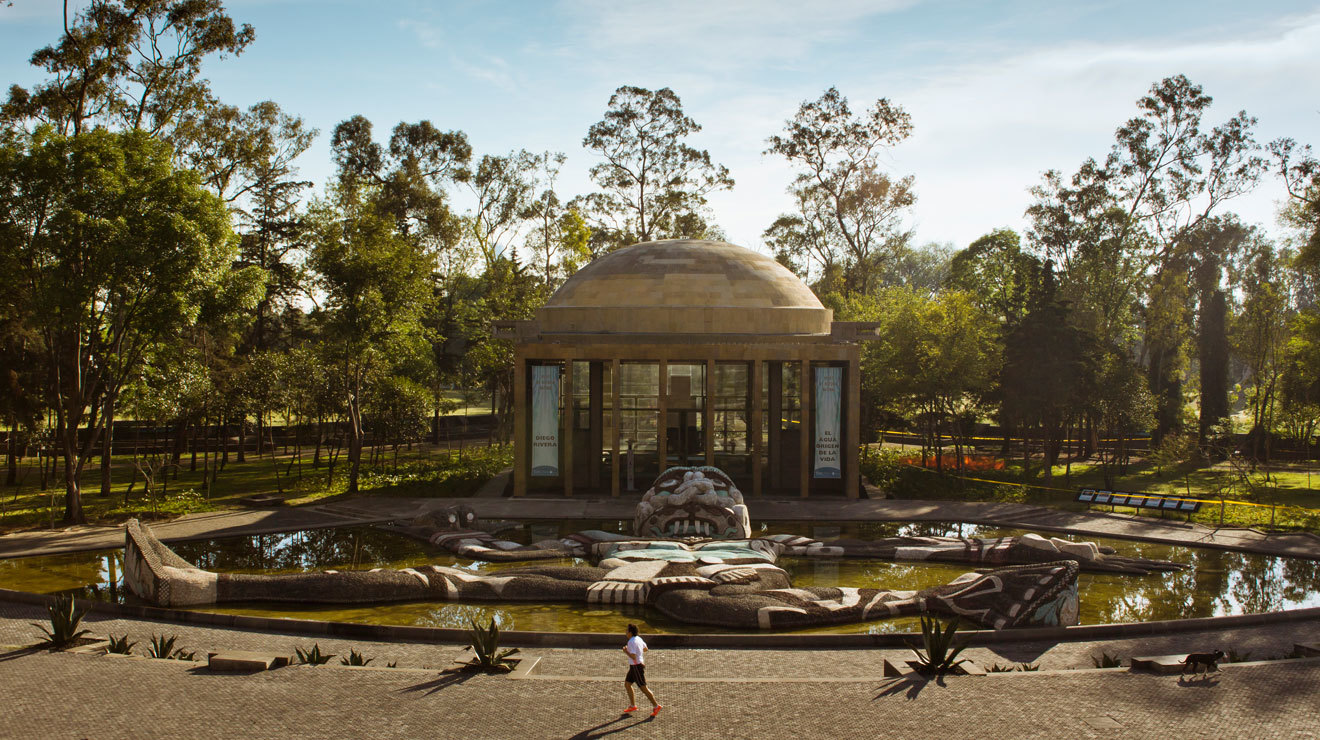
545	420
829	382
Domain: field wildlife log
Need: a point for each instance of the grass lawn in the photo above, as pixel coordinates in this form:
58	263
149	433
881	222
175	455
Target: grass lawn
423	471
1290	497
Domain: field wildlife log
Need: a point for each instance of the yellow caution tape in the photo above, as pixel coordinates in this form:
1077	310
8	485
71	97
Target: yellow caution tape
999	439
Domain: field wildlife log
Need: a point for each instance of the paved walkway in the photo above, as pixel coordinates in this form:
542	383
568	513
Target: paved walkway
708	693
64	695
380	509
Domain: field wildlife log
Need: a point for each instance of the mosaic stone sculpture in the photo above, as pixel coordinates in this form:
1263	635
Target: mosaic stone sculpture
691	558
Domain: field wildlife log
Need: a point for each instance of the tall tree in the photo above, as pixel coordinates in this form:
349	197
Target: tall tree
375	284
850	211
652	183
1121	231
1300	171
128	63
504	187
117	249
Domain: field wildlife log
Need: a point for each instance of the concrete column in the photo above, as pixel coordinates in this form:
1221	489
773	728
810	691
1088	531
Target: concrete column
521	439
615	451
754	433
597	417
662	400
776	425
804	437
853	438
566	445
709	412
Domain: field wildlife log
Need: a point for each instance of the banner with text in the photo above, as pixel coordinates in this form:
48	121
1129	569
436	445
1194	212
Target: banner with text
545	420
828	393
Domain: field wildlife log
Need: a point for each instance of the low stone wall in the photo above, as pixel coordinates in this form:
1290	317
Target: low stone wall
517	638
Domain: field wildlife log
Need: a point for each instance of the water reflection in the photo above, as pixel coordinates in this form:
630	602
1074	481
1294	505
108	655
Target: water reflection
1218	583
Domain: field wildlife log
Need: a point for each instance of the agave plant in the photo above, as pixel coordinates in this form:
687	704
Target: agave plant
939	647
121	645
486	648
163	647
64	620
354	658
1107	661
313	656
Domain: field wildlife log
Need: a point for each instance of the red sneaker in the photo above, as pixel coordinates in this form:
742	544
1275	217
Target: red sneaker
630	709
656	711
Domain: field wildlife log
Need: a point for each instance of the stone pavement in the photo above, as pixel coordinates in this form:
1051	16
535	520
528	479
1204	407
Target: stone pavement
65	695
380	509
1260	642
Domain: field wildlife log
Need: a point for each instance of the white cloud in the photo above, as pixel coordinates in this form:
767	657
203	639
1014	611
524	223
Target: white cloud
715	36
428	34
985	131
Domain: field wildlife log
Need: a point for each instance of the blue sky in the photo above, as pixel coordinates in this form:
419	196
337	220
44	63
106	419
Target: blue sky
998	91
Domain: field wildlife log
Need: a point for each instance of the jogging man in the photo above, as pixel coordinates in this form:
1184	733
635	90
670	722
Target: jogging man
636	651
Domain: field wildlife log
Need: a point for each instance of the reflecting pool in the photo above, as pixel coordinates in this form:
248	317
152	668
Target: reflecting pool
1217	583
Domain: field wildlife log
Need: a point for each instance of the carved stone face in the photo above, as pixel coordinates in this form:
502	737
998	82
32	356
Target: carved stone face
692	502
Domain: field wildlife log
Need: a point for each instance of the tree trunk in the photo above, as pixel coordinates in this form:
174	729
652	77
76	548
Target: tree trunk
1213	351
320	437
73	510
354	444
11	455
107	447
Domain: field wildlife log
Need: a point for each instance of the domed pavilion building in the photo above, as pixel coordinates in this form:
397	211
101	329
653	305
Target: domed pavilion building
685	353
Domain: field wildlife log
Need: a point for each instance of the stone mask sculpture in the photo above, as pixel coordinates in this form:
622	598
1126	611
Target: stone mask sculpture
700	502
703	568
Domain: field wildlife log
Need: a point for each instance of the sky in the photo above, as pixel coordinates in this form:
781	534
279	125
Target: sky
999	92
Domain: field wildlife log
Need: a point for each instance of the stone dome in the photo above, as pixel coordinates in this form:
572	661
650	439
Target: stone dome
685	286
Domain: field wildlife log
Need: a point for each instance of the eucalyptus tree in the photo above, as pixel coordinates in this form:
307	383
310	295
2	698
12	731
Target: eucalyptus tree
559	235
1120	231
374	281
132	64
1300	171
1259	334
652	184
117	250
503	187
850	212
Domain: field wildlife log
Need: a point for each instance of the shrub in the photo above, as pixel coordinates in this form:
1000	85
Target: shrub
121	645
354	658
1107	661
486	648
64	620
163	647
939	647
313	656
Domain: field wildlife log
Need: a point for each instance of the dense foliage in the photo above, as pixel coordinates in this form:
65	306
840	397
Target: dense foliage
161	262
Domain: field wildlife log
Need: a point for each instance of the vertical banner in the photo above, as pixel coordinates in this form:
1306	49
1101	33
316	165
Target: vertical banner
829	381
545	420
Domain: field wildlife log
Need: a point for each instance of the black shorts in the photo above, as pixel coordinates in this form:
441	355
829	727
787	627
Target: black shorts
636	674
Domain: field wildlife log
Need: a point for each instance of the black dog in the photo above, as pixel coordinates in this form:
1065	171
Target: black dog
1209	660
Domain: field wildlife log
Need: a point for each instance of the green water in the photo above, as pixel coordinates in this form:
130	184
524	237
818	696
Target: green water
1218	583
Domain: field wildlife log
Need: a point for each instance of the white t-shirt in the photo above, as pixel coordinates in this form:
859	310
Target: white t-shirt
636	650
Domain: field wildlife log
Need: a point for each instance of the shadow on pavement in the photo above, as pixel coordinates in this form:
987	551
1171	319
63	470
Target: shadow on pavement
1205	681
603	729
444	682
20	653
912	685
